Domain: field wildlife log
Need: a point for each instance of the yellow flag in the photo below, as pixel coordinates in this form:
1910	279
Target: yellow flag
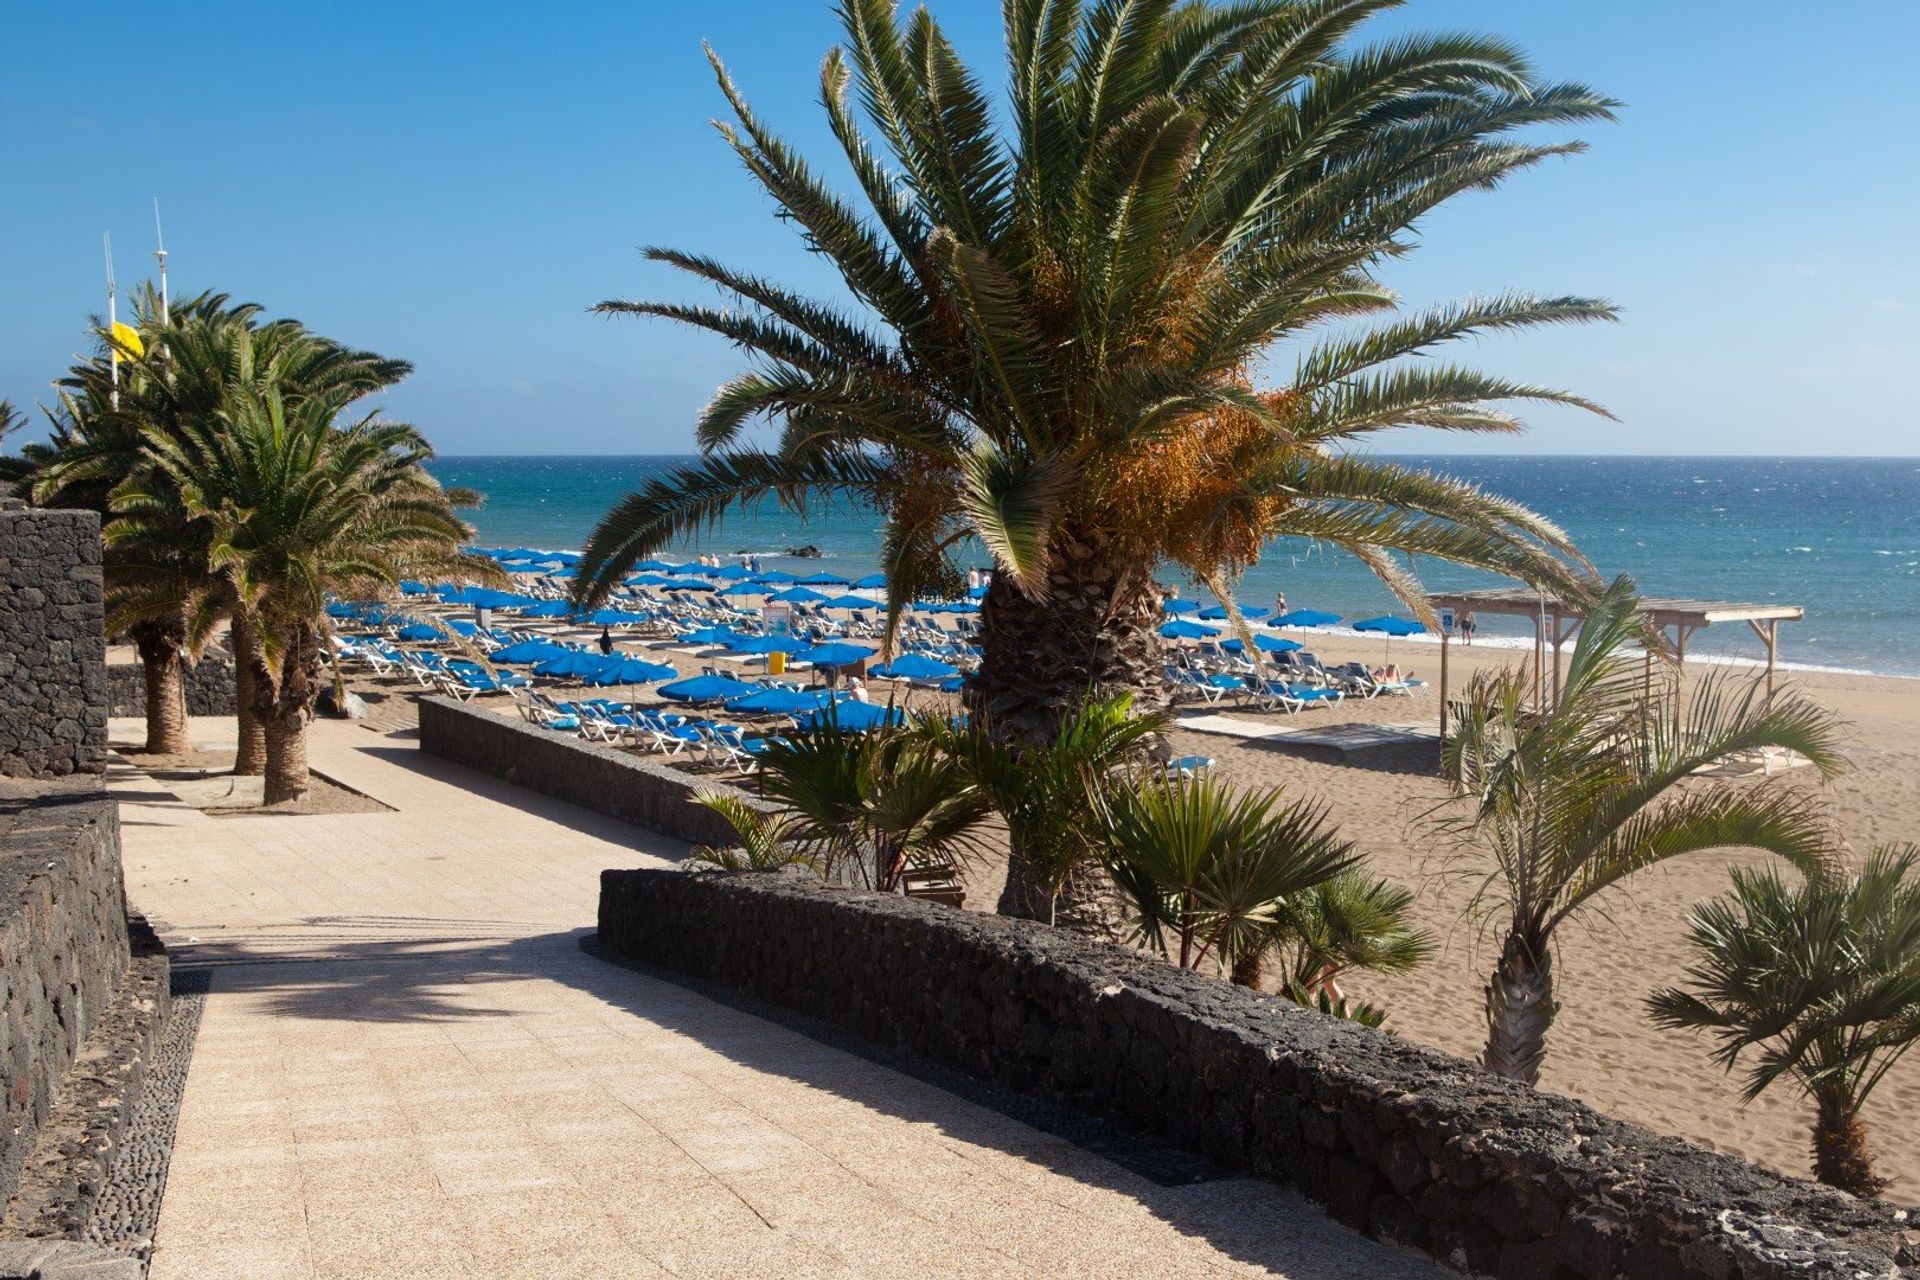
127	339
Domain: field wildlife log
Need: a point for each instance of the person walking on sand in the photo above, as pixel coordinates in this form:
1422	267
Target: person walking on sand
606	641
1467	628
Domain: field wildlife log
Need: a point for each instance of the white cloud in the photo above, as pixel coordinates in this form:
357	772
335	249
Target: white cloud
520	385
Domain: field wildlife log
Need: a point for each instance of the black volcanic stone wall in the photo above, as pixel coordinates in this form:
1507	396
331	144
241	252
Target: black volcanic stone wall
604	779
209	686
1395	1139
63	946
53	681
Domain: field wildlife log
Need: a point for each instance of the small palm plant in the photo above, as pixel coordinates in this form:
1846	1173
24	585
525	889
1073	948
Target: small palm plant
767	841
1354	920
1822	980
1049	793
1206	870
866	806
1570	799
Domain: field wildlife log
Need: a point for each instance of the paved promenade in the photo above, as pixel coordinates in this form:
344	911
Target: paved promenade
407	1068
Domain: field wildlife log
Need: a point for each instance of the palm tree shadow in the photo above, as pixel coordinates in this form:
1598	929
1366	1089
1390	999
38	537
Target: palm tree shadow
347	976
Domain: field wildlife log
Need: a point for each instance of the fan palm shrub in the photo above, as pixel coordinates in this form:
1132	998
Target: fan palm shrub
1565	801
1059	330
297	507
867	806
766	841
1353	920
1820	979
1050	794
1205	869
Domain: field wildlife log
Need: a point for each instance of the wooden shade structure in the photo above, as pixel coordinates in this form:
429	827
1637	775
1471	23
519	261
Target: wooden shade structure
1554	621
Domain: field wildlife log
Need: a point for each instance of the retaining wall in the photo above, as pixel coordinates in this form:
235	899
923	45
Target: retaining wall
53	656
1395	1139
209	687
604	779
63	947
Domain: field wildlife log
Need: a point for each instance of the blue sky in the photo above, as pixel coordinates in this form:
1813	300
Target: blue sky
456	184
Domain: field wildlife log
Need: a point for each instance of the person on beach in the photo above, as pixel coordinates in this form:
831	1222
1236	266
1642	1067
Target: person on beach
973	579
1467	626
606	641
1279	603
857	689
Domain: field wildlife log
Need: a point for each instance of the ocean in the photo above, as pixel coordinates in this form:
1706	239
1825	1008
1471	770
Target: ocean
1839	536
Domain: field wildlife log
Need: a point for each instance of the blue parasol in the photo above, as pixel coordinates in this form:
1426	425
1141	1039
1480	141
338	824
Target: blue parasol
528	651
872	581
1218	612
1304	618
624	668
1186	629
574	662
835	653
781	702
822	580
798	595
915	666
857	716
1264	643
706	689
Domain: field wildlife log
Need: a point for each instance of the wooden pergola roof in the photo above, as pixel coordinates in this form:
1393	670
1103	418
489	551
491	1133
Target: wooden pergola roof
1554	620
1668	611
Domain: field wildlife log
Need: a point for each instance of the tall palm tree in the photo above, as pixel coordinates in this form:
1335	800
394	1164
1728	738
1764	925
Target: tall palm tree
1570	799
1205	869
194	356
1822	979
297	508
1059	329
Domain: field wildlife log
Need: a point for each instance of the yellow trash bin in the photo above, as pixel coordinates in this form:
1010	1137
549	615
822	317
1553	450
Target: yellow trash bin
776	663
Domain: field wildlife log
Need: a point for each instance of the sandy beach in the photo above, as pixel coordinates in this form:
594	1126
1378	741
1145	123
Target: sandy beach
1603	1050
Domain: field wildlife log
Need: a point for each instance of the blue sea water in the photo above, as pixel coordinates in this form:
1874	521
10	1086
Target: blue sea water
1840	536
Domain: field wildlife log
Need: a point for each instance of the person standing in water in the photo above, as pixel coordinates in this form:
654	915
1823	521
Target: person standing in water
1279	603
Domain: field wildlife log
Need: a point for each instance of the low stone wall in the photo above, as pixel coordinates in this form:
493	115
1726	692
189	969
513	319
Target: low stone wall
209	687
618	783
53	649
1395	1139
63	947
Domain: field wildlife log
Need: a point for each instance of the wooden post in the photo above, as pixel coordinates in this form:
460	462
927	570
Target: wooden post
1556	657
1773	650
1681	632
1444	646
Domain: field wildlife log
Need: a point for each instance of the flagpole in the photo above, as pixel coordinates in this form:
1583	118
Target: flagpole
113	318
160	256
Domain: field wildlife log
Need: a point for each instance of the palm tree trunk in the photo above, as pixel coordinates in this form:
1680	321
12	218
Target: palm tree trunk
1248	967
1520	1009
284	706
287	777
1095	635
250	757
1840	1155
161	646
